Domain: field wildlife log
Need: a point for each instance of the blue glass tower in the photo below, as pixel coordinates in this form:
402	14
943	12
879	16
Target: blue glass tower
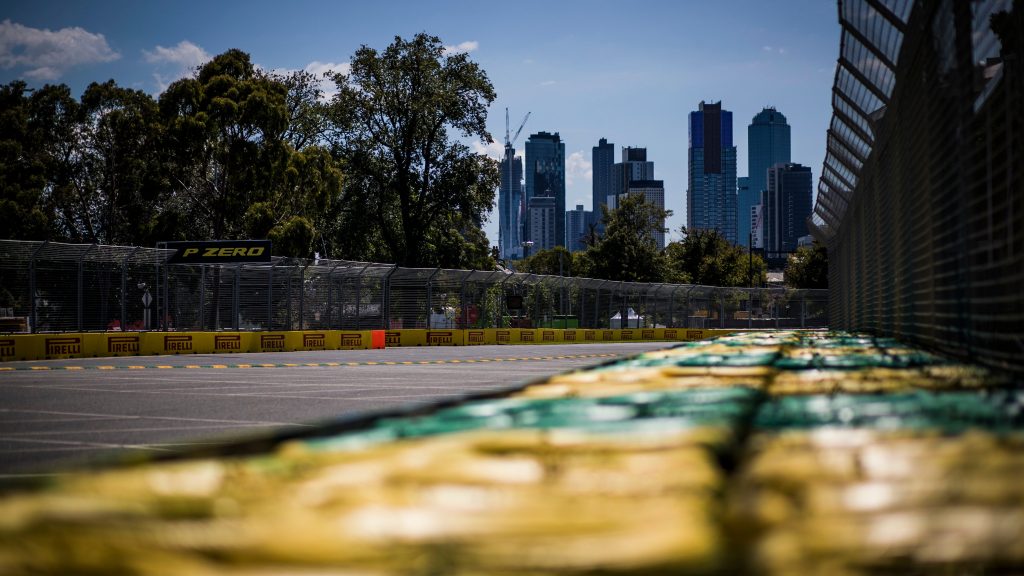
768	142
711	191
545	176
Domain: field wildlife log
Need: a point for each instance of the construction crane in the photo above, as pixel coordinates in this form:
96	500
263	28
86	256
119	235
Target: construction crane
510	153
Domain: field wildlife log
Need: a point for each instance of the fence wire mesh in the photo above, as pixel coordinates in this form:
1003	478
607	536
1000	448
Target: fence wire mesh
52	287
921	200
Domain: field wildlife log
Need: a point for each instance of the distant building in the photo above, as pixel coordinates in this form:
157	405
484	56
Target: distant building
545	176
510	196
786	204
768	142
653	192
757	226
634	166
543	223
602	159
576	228
711	190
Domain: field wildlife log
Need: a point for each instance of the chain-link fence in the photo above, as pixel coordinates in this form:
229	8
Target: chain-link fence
921	200
51	287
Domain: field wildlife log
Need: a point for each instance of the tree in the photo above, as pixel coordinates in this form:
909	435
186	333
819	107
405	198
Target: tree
705	257
557	261
23	213
424	193
627	251
807	267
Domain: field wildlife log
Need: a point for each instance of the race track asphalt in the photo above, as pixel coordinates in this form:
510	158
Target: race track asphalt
63	414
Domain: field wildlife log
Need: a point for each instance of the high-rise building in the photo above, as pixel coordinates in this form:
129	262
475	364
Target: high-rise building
634	166
785	206
711	191
543	223
602	159
576	228
768	142
653	192
545	176
510	195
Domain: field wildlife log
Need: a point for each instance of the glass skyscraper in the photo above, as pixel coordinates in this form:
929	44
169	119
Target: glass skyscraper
768	144
785	206
711	191
602	159
510	196
545	177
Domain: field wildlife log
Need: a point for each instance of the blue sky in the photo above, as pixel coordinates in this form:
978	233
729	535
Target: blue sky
626	71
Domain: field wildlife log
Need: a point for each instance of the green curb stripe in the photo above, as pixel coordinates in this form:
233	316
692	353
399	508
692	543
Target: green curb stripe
290	364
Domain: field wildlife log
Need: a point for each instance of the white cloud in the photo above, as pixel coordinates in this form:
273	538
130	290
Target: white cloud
465	47
548	83
578	167
175	62
47	54
318	68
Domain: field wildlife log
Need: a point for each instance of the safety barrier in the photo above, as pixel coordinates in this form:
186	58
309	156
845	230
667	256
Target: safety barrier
103	344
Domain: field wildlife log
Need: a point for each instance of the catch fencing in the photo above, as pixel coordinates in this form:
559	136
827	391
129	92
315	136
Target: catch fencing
53	287
921	199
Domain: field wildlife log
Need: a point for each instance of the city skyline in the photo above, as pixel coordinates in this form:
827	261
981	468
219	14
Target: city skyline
575	69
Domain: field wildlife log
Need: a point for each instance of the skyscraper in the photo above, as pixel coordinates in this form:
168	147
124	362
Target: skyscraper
575	228
634	166
653	192
785	206
545	176
769	144
711	193
602	159
510	195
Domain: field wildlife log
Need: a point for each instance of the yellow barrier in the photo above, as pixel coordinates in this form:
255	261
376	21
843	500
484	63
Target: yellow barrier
95	344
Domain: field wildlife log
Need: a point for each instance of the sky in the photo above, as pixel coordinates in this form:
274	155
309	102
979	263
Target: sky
626	71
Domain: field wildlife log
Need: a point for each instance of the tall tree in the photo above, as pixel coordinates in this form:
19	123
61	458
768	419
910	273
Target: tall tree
395	113
807	267
23	213
705	257
627	251
557	261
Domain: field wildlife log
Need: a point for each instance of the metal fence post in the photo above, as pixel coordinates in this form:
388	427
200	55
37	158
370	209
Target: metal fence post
359	297
81	284
270	296
124	289
302	295
430	294
202	296
32	287
803	309
330	296
236	307
463	308
386	298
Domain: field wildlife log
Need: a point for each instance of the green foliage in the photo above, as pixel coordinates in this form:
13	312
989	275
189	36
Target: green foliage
627	251
557	261
423	192
807	267
705	257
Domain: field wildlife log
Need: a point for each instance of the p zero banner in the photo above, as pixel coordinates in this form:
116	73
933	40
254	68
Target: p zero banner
219	251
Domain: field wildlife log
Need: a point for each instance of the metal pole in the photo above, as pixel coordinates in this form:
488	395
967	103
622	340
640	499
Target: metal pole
750	308
721	308
463	308
803	309
32	286
386	298
81	284
430	294
270	296
124	288
302	295
330	295
202	296
359	296
236	307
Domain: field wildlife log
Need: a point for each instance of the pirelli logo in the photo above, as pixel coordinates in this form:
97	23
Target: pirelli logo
647	334
6	347
694	334
439	337
317	340
590	335
272	342
526	336
178	343
392	338
569	335
671	334
547	336
227	342
503	336
63	346
351	339
475	337
627	334
123	344
607	335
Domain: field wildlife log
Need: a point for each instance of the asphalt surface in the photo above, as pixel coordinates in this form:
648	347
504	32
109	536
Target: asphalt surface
62	414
